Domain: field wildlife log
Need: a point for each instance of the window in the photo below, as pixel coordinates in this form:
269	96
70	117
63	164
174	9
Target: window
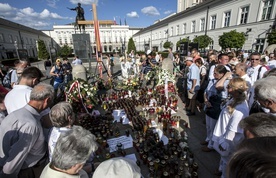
184	28
1	37
211	45
65	41
260	45
60	41
171	34
177	30
227	16
160	35
213	22
193	26
244	15
267	9
202	24
10	39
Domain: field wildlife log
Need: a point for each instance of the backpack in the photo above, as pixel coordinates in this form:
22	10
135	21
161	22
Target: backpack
7	79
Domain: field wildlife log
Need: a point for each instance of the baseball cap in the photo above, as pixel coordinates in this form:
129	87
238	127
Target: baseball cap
58	60
189	59
148	52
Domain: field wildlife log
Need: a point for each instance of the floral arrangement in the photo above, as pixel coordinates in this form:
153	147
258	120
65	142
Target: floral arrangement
82	95
159	74
130	83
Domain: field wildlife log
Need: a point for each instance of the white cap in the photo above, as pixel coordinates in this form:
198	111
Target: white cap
148	52
117	168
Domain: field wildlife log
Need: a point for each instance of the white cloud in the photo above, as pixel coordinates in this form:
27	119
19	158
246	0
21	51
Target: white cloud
28	16
132	14
150	11
168	12
84	2
52	3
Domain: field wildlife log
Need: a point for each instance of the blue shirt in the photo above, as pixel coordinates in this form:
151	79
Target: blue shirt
193	74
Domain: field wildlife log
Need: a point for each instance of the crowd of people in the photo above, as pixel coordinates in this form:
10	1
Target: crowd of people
39	138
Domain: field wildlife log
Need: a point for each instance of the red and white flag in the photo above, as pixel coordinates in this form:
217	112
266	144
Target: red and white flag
114	21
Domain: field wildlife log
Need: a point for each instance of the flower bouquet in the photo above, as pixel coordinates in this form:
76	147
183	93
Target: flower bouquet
130	84
160	75
82	95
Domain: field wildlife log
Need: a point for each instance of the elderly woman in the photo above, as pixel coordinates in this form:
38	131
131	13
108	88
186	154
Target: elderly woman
72	150
213	96
227	133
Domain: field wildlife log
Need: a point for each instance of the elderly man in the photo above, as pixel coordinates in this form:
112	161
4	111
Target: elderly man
72	150
256	70
22	146
265	93
30	77
259	125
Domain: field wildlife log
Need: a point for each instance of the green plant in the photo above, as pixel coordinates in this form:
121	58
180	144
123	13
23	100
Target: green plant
232	39
271	38
42	51
203	41
65	50
131	45
182	41
167	44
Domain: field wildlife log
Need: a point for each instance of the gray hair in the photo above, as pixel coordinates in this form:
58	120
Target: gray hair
61	114
260	124
73	147
264	88
42	91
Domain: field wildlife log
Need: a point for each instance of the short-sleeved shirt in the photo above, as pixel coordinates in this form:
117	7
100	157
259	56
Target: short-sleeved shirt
193	74
253	73
20	93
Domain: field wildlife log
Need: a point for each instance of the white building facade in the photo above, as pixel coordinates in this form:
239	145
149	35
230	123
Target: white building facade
255	18
15	37
112	37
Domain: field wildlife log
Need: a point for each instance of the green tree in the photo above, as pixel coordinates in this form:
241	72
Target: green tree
42	51
271	38
232	39
203	41
167	44
182	41
131	45
65	50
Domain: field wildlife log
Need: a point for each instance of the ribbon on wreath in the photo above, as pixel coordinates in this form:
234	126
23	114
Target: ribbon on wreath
74	85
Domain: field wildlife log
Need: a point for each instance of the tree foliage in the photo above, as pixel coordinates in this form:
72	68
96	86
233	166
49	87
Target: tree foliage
131	45
65	50
183	40
167	44
203	41
42	51
271	38
232	39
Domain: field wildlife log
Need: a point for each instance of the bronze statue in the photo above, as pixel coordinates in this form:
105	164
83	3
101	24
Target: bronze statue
80	15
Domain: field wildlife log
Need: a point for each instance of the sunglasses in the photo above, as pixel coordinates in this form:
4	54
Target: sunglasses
254	59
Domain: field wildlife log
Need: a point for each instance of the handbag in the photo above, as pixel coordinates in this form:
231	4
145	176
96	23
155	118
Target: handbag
215	110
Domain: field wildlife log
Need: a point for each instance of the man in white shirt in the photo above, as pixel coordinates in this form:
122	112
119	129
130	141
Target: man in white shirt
77	61
256	71
272	61
223	59
21	93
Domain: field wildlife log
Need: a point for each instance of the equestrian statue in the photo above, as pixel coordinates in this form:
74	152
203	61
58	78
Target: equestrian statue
80	16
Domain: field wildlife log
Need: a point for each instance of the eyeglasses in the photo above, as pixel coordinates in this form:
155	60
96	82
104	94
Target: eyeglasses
254	59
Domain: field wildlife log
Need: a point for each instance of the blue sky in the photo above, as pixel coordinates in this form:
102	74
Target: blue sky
43	14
